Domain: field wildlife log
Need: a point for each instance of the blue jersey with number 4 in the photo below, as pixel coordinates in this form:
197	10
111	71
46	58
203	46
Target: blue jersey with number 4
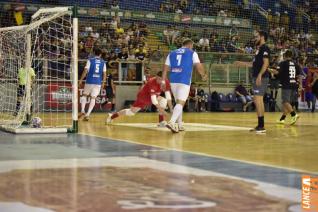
181	65
95	72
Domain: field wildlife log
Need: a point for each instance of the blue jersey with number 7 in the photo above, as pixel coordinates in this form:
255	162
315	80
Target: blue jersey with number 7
181	66
95	71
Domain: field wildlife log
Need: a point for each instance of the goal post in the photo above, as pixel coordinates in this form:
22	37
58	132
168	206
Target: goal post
39	73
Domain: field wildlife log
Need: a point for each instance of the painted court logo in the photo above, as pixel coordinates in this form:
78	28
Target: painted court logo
309	197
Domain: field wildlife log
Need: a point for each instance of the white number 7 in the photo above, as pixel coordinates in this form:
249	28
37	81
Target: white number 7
179	58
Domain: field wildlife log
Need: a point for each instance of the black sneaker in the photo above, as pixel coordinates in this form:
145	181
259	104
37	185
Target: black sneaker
258	130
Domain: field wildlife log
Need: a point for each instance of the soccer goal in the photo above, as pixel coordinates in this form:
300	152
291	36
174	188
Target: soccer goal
38	74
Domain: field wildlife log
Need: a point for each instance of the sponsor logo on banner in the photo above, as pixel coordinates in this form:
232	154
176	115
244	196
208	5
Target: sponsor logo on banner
309	196
59	96
186	18
208	20
196	19
82	11
150	15
92	12
105	12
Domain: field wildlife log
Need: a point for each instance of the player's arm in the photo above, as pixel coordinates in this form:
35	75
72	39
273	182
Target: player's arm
84	73
113	86
199	67
154	101
273	71
104	76
166	69
169	99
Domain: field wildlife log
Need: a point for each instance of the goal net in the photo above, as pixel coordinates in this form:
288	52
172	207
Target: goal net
36	73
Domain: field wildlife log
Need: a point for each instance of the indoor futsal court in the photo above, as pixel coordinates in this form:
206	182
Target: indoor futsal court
132	165
158	106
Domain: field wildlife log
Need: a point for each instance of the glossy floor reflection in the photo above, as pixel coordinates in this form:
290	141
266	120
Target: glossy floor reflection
217	165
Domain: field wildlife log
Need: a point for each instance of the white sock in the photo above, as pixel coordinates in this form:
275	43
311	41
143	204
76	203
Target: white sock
83	101
180	120
91	107
177	110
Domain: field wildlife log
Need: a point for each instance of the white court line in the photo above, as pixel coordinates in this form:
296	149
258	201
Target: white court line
190	127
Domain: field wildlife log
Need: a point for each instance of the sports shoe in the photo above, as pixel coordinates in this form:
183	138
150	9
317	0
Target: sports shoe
173	127
162	124
294	119
81	115
86	118
258	130
280	121
181	128
109	118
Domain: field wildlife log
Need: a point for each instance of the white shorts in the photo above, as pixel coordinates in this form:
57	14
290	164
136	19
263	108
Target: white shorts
92	90
180	91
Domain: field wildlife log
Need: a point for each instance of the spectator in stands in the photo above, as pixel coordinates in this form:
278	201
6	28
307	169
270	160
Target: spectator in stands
167	33
143	29
89	44
204	42
115	5
202	100
269	19
222	13
186	33
193	98
285	21
248	49
243	95
122	59
119	30
131	65
140	55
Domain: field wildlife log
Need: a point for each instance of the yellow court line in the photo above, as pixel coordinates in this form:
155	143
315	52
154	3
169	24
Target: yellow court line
206	155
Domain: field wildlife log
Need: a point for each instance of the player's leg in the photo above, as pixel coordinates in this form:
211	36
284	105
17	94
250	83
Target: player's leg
259	92
163	104
125	112
180	93
94	93
20	94
83	99
138	105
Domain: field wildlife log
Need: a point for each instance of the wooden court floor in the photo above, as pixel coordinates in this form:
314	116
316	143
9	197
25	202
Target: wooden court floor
222	135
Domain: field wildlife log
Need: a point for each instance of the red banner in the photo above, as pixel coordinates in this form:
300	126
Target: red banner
59	96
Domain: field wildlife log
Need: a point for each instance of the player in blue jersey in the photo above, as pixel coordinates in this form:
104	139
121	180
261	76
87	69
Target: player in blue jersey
95	70
180	63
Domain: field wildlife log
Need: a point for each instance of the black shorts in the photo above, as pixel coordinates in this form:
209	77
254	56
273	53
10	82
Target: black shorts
21	91
109	93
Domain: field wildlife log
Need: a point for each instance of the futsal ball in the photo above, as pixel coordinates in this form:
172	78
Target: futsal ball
36	122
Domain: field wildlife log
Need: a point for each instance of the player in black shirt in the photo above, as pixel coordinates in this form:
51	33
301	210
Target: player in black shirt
260	77
287	72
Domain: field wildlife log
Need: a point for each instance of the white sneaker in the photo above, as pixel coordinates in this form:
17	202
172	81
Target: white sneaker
162	124
109	118
181	128
173	127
